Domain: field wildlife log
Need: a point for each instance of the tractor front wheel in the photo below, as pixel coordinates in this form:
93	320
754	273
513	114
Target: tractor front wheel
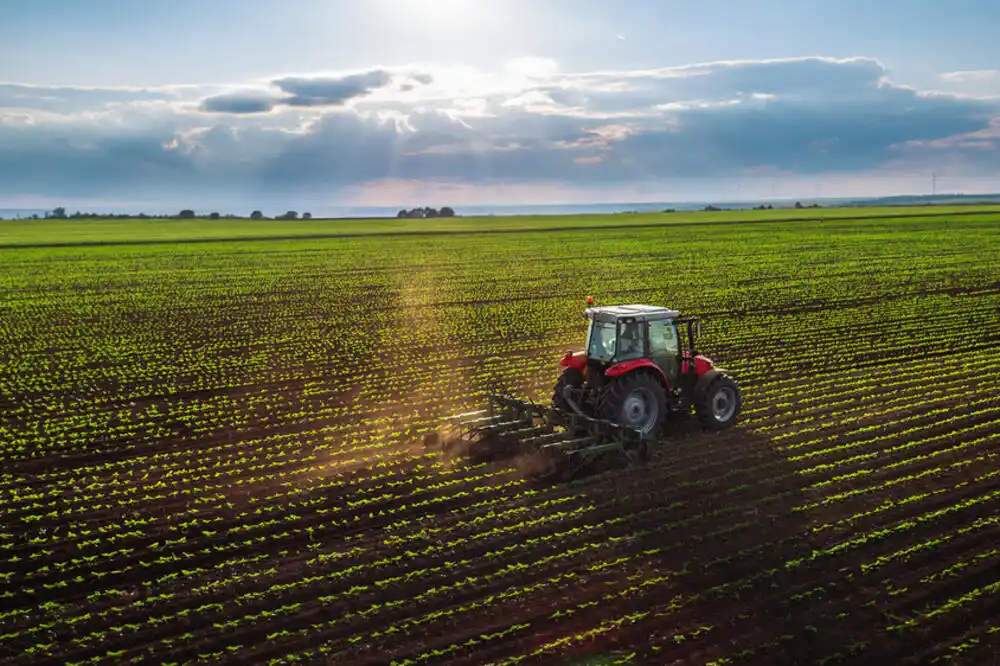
720	404
638	401
570	377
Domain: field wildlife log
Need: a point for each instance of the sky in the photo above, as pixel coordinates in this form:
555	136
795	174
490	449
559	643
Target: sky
295	104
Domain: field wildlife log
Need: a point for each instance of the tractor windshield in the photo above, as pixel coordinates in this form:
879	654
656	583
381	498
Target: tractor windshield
602	340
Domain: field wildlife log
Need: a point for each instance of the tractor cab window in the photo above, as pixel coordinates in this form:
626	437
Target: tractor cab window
663	338
629	340
602	340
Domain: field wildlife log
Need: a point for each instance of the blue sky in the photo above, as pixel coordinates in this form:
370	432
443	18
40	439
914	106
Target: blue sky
393	102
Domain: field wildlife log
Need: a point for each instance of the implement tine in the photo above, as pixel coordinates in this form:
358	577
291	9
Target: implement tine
467	415
481	422
570	444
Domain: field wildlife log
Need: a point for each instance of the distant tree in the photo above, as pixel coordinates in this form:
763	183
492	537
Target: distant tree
402	213
447	211
256	215
798	204
57	213
712	208
289	215
186	214
213	216
669	210
430	212
307	216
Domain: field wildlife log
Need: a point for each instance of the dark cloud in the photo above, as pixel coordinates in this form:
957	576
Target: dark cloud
239	103
303	92
795	137
80	165
332	91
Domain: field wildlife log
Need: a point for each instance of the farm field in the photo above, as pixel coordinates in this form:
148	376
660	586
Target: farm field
212	452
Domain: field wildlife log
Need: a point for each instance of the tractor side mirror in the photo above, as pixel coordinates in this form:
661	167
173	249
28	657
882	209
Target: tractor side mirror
697	328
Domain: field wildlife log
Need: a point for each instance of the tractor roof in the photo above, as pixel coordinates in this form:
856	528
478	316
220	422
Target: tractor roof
637	312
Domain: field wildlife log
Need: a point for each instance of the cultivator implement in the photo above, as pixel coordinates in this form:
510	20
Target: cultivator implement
548	442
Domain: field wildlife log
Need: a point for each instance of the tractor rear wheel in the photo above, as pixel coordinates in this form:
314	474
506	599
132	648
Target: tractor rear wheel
638	401
720	404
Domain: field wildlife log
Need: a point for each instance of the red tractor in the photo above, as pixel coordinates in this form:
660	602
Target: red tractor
612	398
637	370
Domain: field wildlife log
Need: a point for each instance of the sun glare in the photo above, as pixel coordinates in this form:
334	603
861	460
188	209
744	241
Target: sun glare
440	14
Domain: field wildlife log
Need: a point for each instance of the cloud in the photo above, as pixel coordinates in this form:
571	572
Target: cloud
239	103
311	91
808	80
330	91
68	99
971	75
524	124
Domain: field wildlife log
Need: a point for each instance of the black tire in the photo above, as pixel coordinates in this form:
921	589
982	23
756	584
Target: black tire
569	377
719	406
637	400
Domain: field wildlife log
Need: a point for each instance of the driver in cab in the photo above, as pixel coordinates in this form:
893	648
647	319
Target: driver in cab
631	345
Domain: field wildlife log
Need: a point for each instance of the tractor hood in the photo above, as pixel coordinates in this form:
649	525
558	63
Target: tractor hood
571	360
